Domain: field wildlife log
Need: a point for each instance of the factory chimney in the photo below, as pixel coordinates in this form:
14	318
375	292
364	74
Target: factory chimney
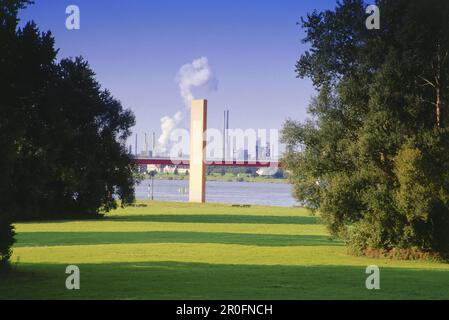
135	146
228	151
154	144
146	145
226	145
224	136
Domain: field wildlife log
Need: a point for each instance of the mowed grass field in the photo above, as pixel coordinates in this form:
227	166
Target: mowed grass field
211	251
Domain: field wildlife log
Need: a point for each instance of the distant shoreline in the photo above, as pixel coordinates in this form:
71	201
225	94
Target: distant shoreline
225	178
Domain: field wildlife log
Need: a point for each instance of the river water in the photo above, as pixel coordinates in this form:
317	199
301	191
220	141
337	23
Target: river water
256	193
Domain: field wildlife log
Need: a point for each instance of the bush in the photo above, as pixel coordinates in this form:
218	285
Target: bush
373	158
6	240
423	196
412	253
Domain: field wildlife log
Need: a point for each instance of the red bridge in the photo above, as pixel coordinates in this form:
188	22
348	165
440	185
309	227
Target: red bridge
215	163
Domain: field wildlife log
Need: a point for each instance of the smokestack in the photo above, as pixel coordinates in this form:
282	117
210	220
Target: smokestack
135	146
146	145
224	136
227	133
257	148
154	144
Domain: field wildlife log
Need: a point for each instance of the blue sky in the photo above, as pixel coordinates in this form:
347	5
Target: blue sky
137	46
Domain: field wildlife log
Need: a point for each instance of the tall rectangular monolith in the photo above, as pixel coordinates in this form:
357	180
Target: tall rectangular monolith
197	171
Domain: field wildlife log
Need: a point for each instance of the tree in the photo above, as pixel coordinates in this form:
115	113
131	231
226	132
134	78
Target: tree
9	111
62	136
88	143
370	158
6	239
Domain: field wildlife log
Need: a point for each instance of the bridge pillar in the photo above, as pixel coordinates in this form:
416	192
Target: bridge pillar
197	171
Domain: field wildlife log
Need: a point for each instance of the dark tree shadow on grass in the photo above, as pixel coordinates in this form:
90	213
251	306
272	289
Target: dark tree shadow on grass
26	239
175	280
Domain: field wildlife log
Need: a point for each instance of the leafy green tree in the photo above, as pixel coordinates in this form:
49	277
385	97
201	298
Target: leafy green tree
62	137
7	234
10	117
372	157
90	161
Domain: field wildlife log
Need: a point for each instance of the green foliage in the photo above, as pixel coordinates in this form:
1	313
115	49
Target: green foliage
373	158
62	137
423	197
6	240
230	170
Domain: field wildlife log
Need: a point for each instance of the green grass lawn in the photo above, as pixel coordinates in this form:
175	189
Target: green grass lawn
189	251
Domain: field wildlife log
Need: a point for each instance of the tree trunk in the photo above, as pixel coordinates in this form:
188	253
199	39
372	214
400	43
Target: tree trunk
438	106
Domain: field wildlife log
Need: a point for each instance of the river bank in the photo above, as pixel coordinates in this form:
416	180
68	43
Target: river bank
228	177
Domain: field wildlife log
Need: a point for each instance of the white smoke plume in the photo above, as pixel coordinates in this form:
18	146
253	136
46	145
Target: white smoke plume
196	74
168	124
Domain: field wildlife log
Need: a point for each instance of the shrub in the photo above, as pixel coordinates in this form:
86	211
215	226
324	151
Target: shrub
412	253
6	240
373	157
